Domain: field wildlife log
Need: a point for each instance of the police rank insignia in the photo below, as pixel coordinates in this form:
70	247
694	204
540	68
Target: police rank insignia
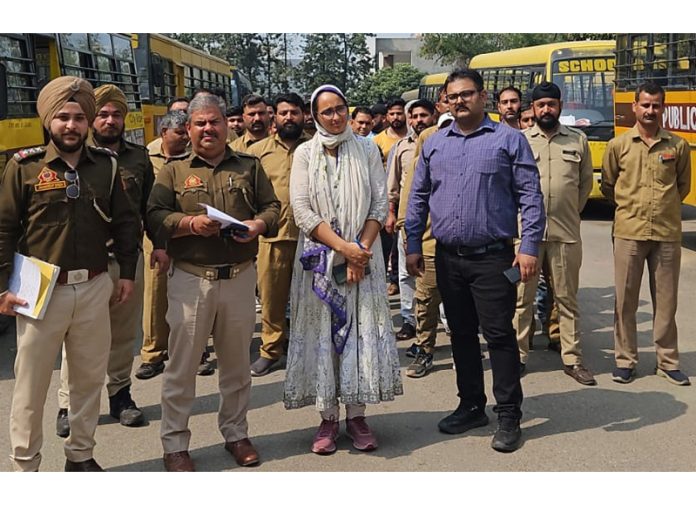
48	179
668	156
193	181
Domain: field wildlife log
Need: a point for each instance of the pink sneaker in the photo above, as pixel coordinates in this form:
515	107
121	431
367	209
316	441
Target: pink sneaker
325	438
359	431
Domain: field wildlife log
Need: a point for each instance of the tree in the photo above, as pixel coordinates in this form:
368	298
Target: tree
459	48
386	83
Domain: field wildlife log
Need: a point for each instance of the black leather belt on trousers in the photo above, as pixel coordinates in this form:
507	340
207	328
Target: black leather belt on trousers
463	250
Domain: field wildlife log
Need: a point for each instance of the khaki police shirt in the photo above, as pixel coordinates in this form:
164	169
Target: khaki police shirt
237	186
276	160
647	184
398	166
243	143
428	239
38	219
565	170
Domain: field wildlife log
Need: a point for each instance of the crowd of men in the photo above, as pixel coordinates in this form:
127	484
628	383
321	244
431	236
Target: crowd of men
484	223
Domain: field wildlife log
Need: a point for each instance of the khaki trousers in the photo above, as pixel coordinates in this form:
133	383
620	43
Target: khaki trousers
664	261
155	327
274	262
125	329
197	309
563	262
76	318
427	300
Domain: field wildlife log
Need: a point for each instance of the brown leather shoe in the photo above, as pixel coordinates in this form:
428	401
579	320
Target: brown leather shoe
82	466
178	462
580	374
243	452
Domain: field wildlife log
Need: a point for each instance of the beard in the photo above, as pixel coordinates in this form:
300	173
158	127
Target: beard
419	128
397	125
108	139
547	122
290	131
66	148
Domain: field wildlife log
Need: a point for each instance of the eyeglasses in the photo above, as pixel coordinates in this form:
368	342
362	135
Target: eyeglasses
464	95
73	190
341	110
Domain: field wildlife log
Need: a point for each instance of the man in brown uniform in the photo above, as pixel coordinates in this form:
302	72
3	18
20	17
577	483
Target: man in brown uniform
646	172
61	203
564	160
256	121
277	255
138	177
153	352
211	289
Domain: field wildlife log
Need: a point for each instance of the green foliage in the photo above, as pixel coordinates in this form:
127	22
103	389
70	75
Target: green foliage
386	83
458	48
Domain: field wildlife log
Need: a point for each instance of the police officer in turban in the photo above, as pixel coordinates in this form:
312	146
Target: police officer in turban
61	203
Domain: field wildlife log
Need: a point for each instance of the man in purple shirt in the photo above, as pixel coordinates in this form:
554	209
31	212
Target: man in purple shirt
473	177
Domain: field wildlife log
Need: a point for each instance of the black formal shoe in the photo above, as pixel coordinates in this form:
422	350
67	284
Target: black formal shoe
149	370
262	366
123	408
523	368
508	436
463	419
83	466
62	424
205	367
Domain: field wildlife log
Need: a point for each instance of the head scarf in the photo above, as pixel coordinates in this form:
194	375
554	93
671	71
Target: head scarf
329	139
108	93
62	90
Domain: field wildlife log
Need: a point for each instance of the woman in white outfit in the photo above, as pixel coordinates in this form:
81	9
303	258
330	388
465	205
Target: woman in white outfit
341	346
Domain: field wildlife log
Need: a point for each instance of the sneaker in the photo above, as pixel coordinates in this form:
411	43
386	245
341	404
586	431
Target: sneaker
580	374
149	370
262	366
406	332
325	438
508	436
421	366
674	376
623	375
205	367
359	431
392	289
463	419
62	424
123	408
412	351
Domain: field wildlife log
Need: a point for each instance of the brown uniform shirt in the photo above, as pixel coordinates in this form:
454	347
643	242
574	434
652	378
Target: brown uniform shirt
276	160
647	184
399	164
243	143
565	169
237	186
428	239
38	219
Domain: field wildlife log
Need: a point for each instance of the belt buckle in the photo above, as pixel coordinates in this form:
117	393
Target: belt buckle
211	274
77	276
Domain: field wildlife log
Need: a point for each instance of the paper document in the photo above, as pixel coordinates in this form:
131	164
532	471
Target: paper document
224	219
33	280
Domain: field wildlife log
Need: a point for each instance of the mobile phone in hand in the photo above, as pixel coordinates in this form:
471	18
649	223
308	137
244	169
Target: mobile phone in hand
513	275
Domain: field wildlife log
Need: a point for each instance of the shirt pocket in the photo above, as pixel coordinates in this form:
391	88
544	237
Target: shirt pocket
243	196
665	171
571	157
50	208
191	198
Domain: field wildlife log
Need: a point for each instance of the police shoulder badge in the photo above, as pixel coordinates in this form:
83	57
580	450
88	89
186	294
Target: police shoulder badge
193	181
23	154
48	180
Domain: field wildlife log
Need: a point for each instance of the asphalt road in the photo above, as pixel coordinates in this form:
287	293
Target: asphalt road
643	426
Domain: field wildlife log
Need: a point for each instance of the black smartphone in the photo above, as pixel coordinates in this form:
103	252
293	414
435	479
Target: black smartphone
513	275
340	273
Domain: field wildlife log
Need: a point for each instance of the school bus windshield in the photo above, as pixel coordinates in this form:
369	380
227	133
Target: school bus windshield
586	87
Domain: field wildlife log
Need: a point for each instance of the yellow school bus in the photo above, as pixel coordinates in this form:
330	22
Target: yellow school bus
669	60
168	69
29	61
583	70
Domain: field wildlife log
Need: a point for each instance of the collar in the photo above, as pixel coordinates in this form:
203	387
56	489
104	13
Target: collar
53	154
486	124
536	131
229	153
661	133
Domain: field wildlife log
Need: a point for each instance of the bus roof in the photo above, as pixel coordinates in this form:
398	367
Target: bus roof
188	48
539	54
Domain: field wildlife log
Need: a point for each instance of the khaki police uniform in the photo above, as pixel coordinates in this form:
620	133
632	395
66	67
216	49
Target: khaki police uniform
211	289
243	143
565	169
647	183
276	255
138	177
38	219
427	296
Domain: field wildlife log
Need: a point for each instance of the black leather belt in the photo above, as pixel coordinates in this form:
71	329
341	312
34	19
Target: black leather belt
463	250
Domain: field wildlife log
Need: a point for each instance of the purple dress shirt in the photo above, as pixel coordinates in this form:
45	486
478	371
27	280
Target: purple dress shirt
473	186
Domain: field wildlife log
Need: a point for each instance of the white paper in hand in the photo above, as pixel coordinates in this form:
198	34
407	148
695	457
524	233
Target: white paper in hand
25	282
224	219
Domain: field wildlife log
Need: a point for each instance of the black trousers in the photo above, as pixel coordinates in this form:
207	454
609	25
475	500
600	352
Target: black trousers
475	292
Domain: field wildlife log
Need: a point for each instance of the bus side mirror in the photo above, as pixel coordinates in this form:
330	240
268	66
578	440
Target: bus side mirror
3	91
157	71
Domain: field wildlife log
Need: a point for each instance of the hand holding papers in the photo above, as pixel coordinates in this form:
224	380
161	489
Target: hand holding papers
225	220
33	280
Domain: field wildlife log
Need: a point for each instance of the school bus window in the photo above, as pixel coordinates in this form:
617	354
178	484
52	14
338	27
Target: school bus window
100	43
21	87
122	48
77	41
